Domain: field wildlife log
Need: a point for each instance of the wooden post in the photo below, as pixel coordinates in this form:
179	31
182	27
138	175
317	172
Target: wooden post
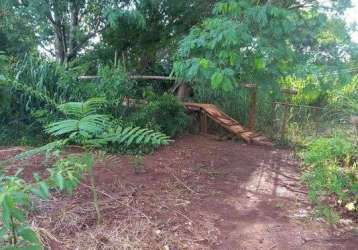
115	58
252	113
203	122
274	117
287	93
284	121
183	91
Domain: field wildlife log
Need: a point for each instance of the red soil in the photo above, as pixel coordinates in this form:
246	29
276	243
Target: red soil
198	193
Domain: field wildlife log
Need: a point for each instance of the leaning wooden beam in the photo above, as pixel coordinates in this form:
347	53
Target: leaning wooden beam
134	77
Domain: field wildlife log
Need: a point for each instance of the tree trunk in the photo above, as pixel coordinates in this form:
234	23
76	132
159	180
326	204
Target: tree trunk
59	45
73	28
183	92
60	38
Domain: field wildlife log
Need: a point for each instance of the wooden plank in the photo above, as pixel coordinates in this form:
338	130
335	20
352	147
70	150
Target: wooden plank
233	126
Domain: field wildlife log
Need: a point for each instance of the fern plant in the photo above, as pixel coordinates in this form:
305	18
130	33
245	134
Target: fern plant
83	120
129	136
89	129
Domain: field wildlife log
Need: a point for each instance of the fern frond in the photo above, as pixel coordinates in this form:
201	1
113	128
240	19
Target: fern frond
46	149
137	135
81	109
89	125
62	127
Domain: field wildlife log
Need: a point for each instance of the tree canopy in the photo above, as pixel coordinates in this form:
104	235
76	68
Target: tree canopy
263	41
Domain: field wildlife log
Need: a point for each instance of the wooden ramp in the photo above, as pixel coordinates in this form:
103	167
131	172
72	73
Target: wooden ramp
233	126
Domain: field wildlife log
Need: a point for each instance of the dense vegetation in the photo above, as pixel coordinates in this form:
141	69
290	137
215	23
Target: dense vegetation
213	46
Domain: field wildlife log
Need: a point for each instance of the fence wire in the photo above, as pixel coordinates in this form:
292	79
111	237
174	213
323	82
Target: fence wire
307	121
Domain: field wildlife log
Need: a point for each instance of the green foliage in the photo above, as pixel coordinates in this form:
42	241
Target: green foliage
324	150
85	123
16	34
48	149
90	129
235	45
15	233
33	87
16	196
328	213
332	170
163	113
114	85
345	98
129	137
66	173
152	30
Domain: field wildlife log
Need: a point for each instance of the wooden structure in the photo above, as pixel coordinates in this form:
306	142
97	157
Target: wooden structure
231	125
252	113
181	89
206	110
287	93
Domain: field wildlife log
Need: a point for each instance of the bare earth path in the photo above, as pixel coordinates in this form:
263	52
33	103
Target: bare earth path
198	193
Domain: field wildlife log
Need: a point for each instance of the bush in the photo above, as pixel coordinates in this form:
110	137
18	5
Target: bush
332	171
322	150
162	113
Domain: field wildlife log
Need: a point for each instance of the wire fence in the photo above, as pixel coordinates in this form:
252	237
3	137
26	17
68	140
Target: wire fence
282	121
295	122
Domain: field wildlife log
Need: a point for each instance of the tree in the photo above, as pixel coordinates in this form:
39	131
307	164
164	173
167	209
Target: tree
261	41
147	36
68	25
16	35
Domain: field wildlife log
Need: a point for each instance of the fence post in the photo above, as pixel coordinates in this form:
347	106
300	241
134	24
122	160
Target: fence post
274	117
252	113
287	93
203	122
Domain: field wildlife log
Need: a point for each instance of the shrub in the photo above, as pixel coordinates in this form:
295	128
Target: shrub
327	149
164	113
332	171
15	199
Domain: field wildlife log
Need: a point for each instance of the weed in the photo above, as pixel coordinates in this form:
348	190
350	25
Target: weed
331	174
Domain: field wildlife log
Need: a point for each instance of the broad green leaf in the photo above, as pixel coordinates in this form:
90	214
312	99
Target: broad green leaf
42	191
18	214
217	79
259	63
60	181
3	231
29	235
6	216
227	85
204	63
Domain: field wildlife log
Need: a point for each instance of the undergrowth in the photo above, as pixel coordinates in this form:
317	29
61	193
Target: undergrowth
331	174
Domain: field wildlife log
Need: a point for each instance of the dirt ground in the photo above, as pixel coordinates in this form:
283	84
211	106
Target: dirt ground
198	193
